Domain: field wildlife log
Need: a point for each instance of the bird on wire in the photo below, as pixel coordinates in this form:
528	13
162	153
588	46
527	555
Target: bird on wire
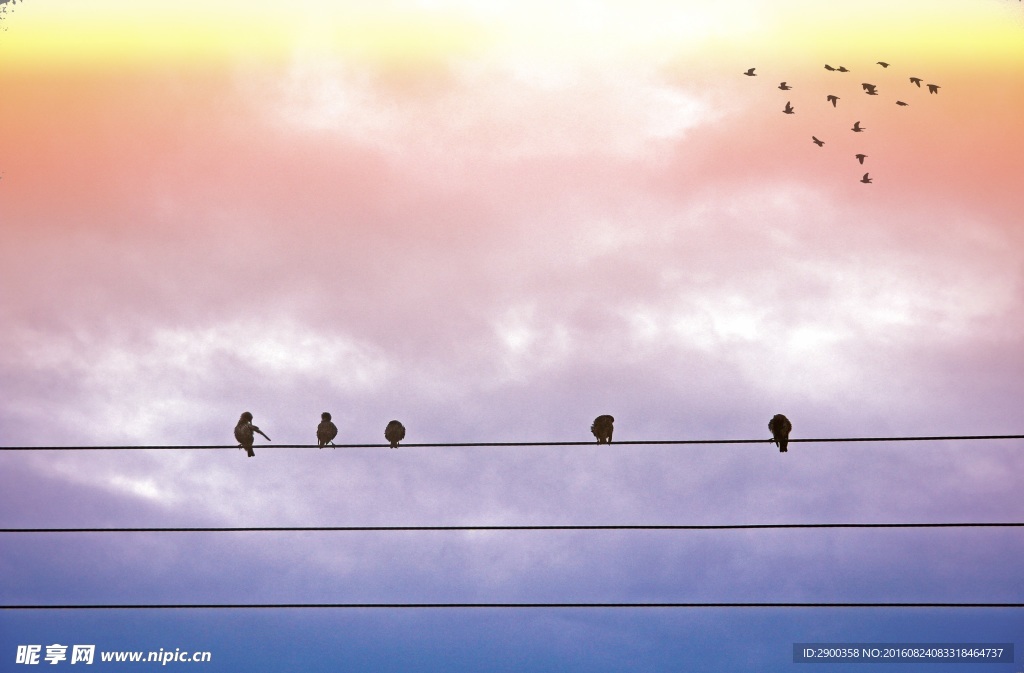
326	431
602	428
244	433
780	428
394	433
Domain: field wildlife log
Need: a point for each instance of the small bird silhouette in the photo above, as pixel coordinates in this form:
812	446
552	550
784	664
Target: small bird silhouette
933	88
832	99
857	128
861	157
916	80
602	429
901	103
842	68
780	428
788	109
828	67
750	73
394	433
326	431
244	433
866	180
819	143
870	89
883	64
784	86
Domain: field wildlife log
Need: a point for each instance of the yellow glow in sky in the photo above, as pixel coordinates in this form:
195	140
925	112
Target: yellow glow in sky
130	32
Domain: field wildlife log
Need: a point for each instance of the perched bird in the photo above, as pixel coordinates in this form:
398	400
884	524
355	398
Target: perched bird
788	109
901	103
394	433
870	89
832	99
784	86
828	67
933	88
861	157
750	73
780	428
602	429
244	433
883	64
916	80
857	128
326	431
819	143
866	180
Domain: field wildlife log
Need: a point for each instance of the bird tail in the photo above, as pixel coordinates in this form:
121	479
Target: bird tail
250	452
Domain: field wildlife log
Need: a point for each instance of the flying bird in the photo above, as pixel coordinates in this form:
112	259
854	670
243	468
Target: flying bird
750	73
842	68
933	88
917	81
828	67
883	64
780	428
784	86
901	103
788	109
394	433
244	433
857	128
602	429
861	157
870	89
832	99
326	431
866	180
819	143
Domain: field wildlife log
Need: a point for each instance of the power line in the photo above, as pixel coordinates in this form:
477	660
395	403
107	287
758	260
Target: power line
655	442
604	527
416	606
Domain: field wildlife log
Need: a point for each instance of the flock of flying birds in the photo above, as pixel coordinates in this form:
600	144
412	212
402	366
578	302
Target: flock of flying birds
868	88
602	428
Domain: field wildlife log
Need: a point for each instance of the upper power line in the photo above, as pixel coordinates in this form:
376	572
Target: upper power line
646	442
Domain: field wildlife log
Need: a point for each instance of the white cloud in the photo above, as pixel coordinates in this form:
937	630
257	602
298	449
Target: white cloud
491	111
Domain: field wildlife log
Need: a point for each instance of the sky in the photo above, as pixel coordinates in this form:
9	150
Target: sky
496	221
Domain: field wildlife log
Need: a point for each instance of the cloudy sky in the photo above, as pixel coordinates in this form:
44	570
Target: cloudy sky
495	221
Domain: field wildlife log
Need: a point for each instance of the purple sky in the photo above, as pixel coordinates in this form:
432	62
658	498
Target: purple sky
470	218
